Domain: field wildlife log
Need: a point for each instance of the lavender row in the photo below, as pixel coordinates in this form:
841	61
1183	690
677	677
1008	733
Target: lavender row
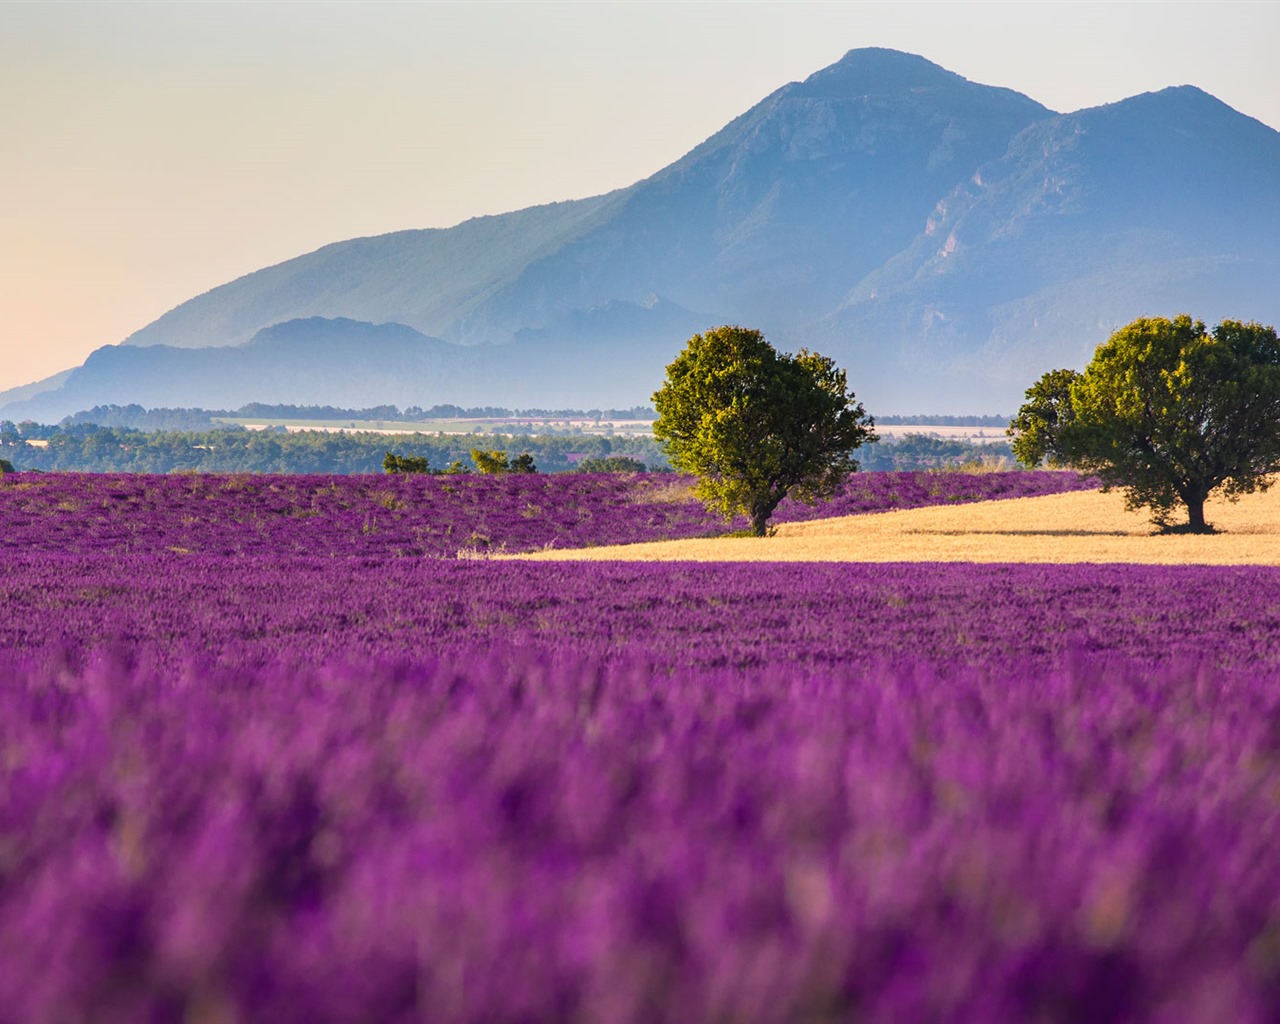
555	839
250	610
408	515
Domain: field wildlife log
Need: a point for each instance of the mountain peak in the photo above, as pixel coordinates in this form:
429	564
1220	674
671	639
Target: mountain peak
1184	115
1174	101
874	69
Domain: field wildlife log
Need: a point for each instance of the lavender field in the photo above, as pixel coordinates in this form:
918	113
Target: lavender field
190	610
258	766
417	515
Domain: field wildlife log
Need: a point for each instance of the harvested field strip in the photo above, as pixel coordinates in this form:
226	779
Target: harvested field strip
1084	526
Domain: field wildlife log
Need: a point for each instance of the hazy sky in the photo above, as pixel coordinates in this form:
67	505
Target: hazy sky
151	151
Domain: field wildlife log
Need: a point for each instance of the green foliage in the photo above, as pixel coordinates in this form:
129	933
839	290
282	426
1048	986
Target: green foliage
405	464
492	462
754	425
495	462
611	464
93	449
1038	426
1166	410
5	467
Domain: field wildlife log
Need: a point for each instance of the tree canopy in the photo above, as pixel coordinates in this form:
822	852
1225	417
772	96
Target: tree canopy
495	462
755	425
1040	424
1166	410
394	463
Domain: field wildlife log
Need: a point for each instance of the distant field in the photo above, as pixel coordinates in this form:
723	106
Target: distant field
528	425
497	425
1084	526
977	435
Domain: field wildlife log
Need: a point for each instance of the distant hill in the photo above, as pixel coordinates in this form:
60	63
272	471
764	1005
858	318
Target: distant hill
353	363
945	241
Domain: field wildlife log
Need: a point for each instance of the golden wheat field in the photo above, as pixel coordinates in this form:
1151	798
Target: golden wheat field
1083	526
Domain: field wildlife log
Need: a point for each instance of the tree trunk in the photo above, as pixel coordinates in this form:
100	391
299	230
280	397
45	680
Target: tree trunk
1195	516
760	513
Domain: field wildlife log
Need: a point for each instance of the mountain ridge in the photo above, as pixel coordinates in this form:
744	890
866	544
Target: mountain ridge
941	239
994	252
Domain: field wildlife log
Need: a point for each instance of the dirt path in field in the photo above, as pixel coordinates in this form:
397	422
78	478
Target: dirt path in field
1084	526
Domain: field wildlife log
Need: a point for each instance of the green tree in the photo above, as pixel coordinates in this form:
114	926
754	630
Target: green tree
755	425
1166	410
405	464
490	461
5	467
523	464
1038	427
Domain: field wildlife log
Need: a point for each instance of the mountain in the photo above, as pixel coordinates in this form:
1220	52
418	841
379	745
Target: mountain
786	206
355	364
945	241
292	359
1164	203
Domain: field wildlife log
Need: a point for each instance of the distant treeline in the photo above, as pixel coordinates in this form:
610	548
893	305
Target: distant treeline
923	420
137	417
97	449
921	451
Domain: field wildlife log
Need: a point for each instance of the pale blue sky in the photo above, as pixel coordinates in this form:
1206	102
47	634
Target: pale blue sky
154	150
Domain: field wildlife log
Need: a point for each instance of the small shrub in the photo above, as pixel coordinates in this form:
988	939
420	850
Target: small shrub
405	464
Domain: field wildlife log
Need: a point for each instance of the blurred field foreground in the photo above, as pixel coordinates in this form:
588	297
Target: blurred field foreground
1084	526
